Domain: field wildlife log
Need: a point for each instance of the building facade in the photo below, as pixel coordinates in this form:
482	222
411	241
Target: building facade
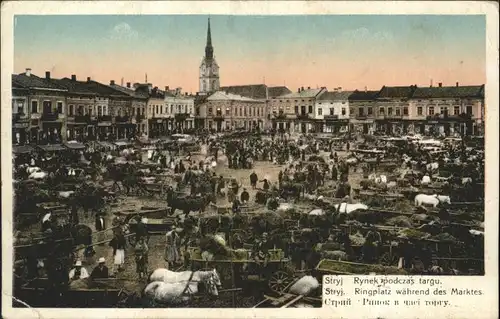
46	102
159	122
209	69
392	109
332	112
448	110
180	107
138	106
20	114
362	111
295	112
224	111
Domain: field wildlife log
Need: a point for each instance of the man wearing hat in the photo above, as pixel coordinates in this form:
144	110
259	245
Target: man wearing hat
245	197
101	271
78	272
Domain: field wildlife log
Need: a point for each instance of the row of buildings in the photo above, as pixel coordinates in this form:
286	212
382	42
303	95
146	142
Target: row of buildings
49	110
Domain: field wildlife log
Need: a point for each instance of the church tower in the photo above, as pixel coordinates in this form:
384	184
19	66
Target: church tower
209	70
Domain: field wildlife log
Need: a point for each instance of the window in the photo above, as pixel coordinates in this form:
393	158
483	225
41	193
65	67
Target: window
34	106
245	111
456	110
197	110
361	111
161	108
90	111
71	110
343	111
60	107
381	111
179	109
469	109
332	111
370	110
431	110
389	111
405	110
444	110
296	109
420	111
210	110
20	107
99	110
320	111
398	111
228	111
157	109
81	110
310	109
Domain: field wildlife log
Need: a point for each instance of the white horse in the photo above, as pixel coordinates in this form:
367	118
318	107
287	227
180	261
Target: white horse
431	200
38	175
349	208
169	276
31	170
426	180
432	166
378	179
170	287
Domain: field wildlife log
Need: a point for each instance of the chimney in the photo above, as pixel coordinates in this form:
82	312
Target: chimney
88	79
112	82
302	89
440	84
457	84
28	72
308	87
47	75
366	89
298	90
431	83
73	77
167	88
128	85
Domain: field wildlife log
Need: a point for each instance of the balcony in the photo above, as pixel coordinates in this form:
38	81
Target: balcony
361	117
392	117
303	116
85	119
139	117
50	117
19	118
331	117
450	117
181	116
104	118
122	119
219	116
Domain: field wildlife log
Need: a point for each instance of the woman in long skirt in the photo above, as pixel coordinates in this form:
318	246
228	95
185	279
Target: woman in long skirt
171	248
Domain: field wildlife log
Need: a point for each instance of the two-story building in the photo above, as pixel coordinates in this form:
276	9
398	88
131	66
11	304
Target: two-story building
158	121
448	110
224	111
332	112
20	114
392	109
294	112
362	111
180	108
46	102
138	108
260	92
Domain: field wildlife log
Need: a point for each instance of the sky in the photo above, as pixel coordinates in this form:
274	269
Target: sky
348	51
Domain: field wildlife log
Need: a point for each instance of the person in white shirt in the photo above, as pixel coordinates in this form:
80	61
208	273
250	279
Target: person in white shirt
78	272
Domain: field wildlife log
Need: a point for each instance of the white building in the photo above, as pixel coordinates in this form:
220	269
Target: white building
180	108
332	111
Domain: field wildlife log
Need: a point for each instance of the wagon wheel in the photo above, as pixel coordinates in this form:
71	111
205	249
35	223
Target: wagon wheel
122	299
279	281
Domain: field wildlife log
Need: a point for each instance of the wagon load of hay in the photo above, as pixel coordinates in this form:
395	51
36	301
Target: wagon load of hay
239	254
444	237
215	245
399	221
304	286
357	239
409	233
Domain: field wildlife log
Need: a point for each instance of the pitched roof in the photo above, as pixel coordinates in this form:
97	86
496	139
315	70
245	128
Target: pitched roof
402	92
275	91
335	96
470	91
223	96
363	95
133	93
105	90
255	91
33	81
304	93
74	86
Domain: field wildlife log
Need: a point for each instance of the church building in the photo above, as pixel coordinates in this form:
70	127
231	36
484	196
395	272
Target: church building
209	70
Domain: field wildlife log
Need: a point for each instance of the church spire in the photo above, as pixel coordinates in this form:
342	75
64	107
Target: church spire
209	50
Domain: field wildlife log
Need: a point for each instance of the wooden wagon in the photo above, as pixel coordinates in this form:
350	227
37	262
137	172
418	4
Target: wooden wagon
276	273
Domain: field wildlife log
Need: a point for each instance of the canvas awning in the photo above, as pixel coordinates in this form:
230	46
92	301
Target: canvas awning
22	149
122	143
74	145
51	147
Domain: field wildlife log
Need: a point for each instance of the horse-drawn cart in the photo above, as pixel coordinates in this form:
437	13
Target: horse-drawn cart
274	270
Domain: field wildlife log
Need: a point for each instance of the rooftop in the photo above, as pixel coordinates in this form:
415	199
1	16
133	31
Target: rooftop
335	96
307	93
363	95
470	91
33	81
256	91
402	92
223	96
